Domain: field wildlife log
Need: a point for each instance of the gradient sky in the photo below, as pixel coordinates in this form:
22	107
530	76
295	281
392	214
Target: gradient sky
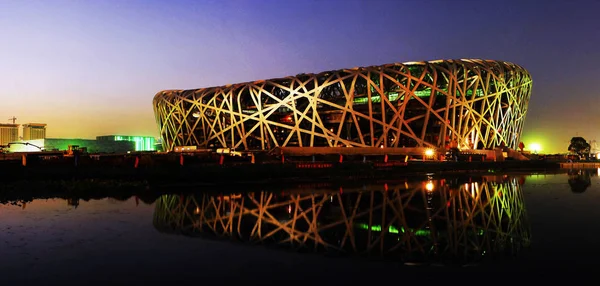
89	68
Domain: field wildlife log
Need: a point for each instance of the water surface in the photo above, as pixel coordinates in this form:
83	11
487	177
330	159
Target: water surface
528	223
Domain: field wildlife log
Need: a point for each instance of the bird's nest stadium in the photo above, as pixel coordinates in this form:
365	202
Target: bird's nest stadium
467	104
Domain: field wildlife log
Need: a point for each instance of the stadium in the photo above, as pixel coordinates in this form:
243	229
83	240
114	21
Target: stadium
467	104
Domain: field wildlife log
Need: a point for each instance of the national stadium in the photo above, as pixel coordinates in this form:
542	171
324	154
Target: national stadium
469	104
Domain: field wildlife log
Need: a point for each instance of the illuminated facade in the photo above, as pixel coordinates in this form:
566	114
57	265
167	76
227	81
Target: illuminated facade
33	131
8	133
469	104
142	143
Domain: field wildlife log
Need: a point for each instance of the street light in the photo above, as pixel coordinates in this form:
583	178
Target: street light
429	153
429	186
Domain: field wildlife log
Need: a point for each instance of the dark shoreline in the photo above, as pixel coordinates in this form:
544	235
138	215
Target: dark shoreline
87	183
241	172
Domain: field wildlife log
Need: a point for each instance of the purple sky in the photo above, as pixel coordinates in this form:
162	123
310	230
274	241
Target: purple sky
90	68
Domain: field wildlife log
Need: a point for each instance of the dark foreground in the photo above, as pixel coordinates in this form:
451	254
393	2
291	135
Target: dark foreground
168	169
535	227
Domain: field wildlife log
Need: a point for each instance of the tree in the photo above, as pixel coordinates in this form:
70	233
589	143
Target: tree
521	146
579	146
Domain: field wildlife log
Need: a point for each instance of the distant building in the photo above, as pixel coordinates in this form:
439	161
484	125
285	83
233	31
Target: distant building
33	131
8	133
102	144
142	143
62	144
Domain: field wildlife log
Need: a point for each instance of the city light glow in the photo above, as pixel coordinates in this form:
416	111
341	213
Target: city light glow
535	148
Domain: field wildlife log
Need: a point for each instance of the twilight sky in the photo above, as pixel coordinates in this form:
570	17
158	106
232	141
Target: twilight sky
89	68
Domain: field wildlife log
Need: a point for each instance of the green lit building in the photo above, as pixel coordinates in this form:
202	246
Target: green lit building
102	144
142	143
62	144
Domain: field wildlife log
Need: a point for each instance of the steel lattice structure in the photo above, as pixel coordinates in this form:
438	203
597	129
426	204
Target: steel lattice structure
470	104
432	221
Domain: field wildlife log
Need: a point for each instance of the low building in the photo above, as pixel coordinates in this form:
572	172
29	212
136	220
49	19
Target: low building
33	131
8	133
142	143
62	144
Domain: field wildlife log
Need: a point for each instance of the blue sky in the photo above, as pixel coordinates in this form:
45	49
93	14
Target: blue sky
90	68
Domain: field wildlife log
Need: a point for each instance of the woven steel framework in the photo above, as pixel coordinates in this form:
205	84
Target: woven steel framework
433	221
470	104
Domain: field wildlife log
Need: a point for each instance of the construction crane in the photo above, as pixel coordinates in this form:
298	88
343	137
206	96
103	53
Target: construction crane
13	119
20	143
593	147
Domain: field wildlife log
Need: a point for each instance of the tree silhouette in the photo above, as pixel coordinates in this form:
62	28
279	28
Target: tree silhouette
579	146
521	146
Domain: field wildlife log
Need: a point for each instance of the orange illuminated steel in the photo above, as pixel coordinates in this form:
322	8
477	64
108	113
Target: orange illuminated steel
469	104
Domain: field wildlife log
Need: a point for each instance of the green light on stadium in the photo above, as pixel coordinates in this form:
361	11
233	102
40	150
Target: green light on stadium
393	229
393	96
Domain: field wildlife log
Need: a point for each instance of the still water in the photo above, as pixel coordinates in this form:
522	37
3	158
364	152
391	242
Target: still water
422	227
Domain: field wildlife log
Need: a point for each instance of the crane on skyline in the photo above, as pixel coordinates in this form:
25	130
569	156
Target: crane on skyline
13	119
593	146
7	146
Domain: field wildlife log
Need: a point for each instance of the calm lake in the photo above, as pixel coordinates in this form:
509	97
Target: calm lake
419	228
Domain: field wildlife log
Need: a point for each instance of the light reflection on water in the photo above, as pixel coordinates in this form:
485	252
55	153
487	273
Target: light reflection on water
449	221
534	221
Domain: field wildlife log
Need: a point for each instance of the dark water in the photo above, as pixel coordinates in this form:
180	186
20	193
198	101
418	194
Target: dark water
425	228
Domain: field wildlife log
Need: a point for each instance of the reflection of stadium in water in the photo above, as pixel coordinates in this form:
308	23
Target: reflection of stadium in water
447	221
